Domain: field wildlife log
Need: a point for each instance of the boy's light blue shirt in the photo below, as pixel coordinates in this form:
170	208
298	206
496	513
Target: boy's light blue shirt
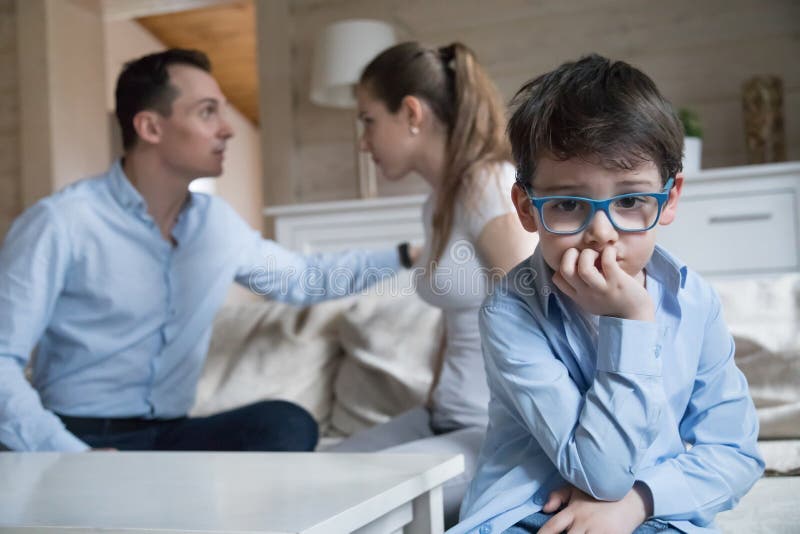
121	317
602	416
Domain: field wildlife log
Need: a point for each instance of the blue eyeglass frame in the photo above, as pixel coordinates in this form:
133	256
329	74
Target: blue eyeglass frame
601	205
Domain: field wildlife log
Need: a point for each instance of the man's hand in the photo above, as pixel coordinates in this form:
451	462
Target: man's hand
582	513
600	286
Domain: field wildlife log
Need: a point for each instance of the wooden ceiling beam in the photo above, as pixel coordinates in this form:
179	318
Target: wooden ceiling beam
227	34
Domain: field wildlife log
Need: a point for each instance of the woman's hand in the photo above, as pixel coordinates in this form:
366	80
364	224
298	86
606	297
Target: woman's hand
414	252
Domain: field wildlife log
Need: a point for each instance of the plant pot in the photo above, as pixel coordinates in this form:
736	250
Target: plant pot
692	150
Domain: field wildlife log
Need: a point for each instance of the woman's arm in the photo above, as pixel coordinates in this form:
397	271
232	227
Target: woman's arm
503	242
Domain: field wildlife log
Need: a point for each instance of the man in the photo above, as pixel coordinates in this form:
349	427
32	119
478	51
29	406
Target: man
118	278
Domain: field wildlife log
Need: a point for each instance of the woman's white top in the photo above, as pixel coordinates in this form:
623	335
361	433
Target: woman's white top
460	283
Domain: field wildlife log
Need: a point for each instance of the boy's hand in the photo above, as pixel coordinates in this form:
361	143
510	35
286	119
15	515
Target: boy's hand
558	499
607	290
586	514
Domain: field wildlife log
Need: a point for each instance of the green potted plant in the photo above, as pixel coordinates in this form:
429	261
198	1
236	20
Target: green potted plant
692	140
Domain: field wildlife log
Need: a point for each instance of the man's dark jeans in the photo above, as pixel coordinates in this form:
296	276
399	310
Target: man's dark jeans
263	426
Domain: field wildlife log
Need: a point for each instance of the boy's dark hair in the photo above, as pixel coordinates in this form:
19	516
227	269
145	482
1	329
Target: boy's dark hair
600	110
144	84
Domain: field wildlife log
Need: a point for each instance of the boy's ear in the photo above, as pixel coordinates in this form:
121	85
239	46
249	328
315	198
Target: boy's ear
670	208
411	107
524	208
148	126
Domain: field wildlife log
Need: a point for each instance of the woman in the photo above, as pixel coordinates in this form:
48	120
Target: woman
435	112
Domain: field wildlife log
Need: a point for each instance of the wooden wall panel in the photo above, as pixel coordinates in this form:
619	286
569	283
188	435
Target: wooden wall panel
10	196
699	53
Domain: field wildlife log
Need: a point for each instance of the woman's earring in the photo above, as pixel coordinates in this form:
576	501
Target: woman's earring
414	130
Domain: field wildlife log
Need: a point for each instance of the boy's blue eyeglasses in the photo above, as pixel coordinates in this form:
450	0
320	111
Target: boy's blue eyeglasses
632	212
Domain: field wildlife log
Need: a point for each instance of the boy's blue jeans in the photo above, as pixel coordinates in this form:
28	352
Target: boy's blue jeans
532	524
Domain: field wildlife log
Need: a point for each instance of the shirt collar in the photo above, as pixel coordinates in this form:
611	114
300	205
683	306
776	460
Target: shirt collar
129	197
546	291
123	191
667	269
662	267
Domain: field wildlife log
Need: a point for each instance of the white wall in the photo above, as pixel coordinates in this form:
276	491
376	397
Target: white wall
61	85
240	184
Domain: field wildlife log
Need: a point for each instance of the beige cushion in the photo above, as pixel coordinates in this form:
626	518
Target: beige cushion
272	351
763	313
765	309
774	380
390	345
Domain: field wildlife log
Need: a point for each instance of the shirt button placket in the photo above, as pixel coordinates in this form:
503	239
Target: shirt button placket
168	282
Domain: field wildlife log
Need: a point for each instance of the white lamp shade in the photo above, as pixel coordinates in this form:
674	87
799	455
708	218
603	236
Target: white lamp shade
341	53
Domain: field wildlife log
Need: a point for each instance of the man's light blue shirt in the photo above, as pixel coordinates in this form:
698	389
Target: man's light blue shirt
122	317
658	402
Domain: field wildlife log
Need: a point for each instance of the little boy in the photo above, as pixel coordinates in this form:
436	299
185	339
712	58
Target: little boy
615	402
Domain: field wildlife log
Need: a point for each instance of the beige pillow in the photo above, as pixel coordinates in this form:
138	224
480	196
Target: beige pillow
390	345
763	313
765	309
774	380
272	350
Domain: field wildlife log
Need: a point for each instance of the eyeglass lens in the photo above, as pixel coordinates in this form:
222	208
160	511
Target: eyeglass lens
632	213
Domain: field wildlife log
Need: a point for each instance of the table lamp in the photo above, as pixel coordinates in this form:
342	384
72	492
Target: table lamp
341	52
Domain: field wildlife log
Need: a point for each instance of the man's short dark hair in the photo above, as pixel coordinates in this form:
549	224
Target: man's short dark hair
144	84
605	112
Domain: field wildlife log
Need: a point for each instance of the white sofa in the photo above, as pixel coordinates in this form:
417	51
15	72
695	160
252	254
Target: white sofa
356	362
352	363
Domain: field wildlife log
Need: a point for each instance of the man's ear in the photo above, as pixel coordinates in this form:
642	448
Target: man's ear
524	208
670	208
412	110
147	124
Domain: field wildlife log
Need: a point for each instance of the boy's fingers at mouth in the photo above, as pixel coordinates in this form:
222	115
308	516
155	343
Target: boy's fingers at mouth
608	259
569	263
587	256
587	269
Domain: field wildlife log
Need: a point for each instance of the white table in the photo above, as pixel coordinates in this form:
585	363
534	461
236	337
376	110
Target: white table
275	493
